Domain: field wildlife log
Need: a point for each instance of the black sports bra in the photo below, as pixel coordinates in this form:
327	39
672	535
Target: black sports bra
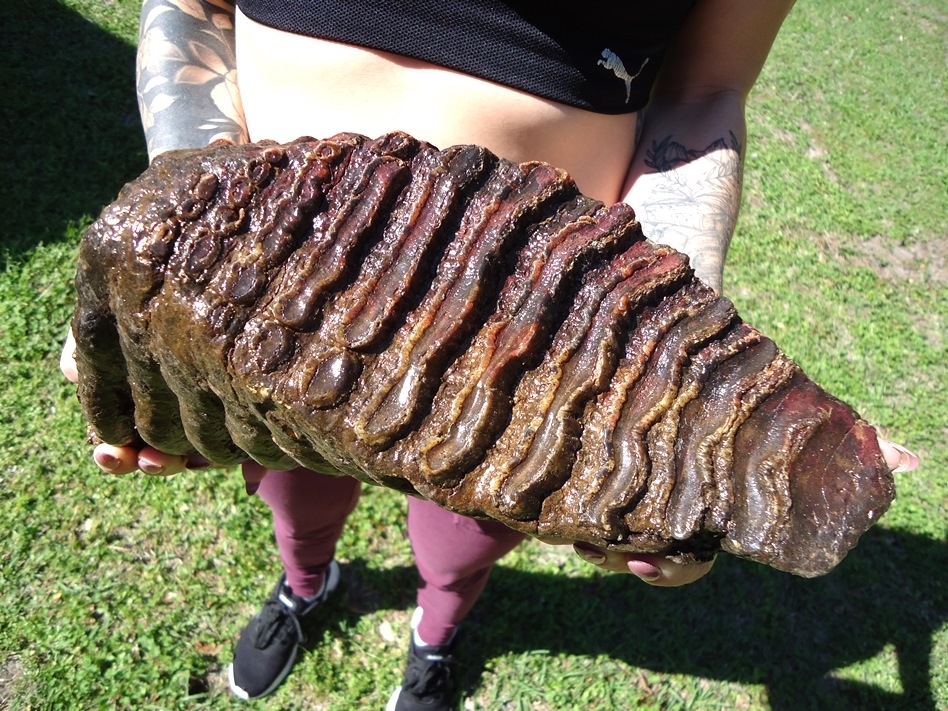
602	57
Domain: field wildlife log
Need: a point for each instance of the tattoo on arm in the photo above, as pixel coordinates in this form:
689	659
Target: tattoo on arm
668	154
693	201
187	76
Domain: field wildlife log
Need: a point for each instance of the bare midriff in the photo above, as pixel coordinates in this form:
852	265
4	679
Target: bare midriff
294	86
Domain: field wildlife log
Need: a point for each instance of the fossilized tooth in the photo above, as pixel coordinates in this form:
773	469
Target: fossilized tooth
468	329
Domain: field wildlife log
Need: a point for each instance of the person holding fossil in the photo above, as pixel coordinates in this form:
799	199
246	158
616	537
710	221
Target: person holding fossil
638	102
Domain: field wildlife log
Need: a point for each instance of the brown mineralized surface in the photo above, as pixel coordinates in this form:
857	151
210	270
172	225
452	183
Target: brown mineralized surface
475	331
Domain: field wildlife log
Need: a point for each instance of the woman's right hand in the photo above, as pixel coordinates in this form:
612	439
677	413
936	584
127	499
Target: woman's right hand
124	460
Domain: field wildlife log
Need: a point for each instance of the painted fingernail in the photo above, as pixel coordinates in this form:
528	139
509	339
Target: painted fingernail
107	462
150	468
590	555
645	571
251	487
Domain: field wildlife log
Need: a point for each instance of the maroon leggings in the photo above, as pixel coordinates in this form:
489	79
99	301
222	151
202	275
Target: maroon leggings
454	553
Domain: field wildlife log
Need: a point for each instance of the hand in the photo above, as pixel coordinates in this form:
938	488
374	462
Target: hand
652	568
123	460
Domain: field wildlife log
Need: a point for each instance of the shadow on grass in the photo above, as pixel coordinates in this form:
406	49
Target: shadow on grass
70	133
744	623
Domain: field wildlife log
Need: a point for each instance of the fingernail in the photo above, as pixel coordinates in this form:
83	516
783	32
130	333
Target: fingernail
107	462
150	467
590	555
198	462
251	487
645	571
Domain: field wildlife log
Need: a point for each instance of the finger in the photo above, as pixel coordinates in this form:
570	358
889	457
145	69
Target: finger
253	474
156	463
898	457
124	460
612	561
662	572
607	560
67	359
116	460
651	568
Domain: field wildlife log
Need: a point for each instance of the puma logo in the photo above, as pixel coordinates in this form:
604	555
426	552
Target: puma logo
610	60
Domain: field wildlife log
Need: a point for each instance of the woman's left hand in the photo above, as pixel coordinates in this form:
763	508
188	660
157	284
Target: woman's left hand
652	568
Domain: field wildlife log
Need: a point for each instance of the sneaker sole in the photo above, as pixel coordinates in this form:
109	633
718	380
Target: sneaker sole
393	700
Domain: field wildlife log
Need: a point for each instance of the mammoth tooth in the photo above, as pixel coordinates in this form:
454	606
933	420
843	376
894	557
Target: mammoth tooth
467	329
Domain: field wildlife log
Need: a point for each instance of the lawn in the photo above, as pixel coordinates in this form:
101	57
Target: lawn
129	592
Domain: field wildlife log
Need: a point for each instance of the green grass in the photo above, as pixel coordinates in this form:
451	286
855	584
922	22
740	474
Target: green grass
129	592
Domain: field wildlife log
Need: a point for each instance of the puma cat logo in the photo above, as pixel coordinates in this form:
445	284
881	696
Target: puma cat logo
610	60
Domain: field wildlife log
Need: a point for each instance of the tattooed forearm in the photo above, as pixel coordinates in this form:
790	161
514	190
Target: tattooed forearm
187	77
689	198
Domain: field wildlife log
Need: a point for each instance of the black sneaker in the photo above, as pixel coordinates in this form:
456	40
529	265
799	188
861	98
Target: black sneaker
267	647
427	684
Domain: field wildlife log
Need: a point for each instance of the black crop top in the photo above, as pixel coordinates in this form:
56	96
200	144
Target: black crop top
602	57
